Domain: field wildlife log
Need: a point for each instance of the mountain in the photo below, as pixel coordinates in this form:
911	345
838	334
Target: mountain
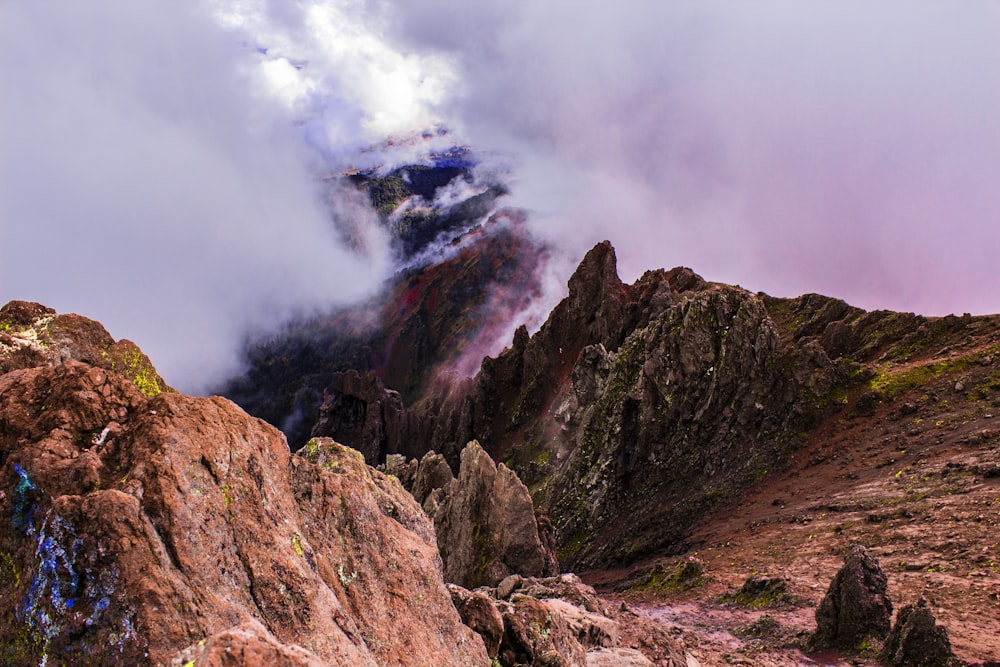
705	456
673	415
466	269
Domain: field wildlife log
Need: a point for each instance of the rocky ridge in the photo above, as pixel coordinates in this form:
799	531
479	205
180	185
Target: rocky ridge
168	529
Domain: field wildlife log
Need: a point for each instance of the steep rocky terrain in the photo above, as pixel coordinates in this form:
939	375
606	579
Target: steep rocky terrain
651	402
168	529
467	268
675	416
705	456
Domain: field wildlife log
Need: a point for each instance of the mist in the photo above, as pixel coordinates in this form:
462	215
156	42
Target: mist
162	168
148	180
846	148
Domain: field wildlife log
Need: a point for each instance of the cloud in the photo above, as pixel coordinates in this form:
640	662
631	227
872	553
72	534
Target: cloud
148	182
841	147
159	165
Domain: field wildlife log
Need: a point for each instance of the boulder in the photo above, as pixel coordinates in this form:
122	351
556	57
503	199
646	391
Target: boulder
617	657
534	634
479	612
562	621
916	640
856	605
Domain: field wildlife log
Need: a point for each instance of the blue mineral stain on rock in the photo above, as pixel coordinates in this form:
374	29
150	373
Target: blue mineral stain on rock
66	596
23	517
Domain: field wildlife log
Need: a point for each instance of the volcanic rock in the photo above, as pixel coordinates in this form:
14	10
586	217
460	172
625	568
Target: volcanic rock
34	335
479	612
141	526
562	621
856	606
485	523
636	409
535	635
359	412
617	657
248	645
432	473
916	640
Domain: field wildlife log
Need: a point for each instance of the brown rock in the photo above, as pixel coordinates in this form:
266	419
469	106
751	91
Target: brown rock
856	605
486	526
140	527
479	613
617	657
432	473
358	411
509	585
535	635
247	645
37	336
403	470
916	640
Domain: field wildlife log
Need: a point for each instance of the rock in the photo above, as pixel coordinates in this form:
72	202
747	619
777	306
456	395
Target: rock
856	605
432	473
486	528
668	577
759	591
479	613
248	645
508	586
590	629
617	657
559	621
916	640
535	635
358	411
403	470
139	527
37	336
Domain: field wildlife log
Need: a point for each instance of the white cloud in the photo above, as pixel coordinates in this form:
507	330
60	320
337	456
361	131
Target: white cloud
144	183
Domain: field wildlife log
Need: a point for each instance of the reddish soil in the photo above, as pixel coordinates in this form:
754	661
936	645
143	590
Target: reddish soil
917	482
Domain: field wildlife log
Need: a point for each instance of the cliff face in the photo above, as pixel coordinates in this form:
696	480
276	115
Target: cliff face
140	526
429	319
638	409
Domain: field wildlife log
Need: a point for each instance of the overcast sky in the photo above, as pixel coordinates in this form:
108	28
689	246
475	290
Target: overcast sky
158	161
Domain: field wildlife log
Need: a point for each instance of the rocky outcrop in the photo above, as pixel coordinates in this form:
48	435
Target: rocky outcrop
486	526
141	527
479	613
34	335
856	606
687	411
249	644
359	412
636	409
916	640
432	474
561	621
